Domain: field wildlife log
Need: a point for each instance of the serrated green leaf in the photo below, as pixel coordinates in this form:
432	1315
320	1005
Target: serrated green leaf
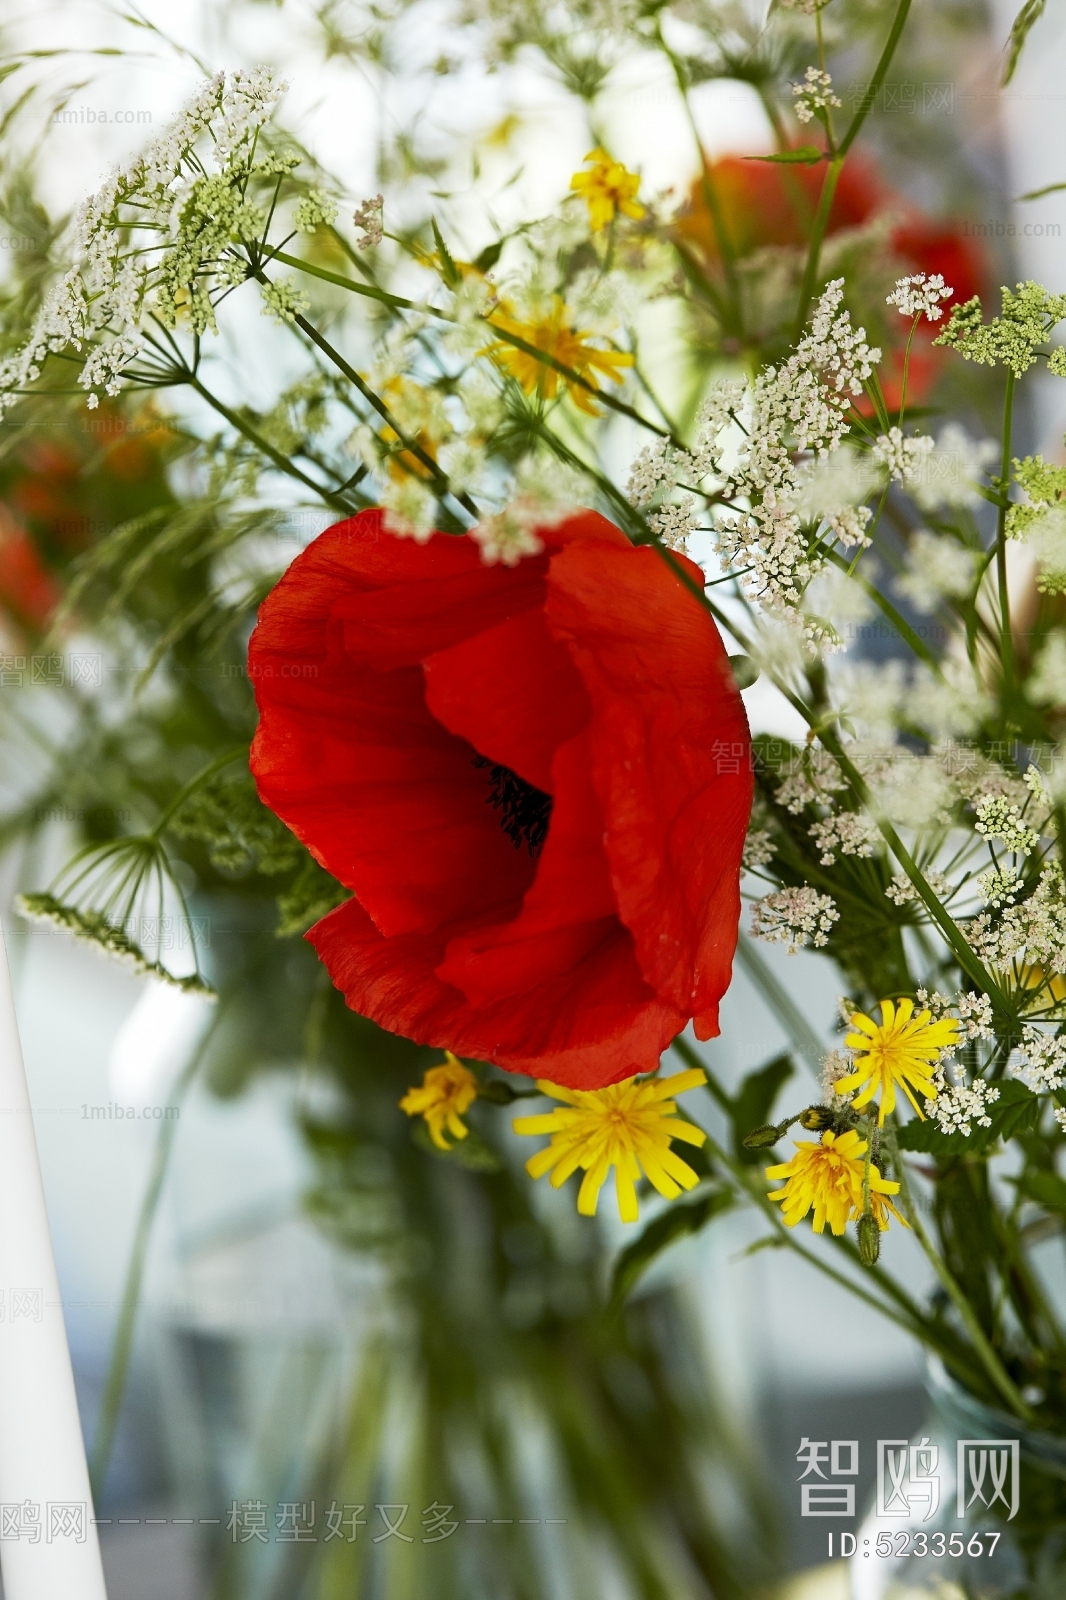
806	155
679	1220
1016	1111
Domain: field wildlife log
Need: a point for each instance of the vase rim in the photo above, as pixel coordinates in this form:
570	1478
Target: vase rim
1048	1449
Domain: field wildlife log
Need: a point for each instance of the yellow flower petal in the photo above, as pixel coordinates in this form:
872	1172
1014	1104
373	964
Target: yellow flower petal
443	1095
628	1126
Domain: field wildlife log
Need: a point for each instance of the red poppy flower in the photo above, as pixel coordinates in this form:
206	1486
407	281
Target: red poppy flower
534	779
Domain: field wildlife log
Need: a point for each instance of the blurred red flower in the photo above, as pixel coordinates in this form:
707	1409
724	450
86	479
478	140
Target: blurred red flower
769	203
534	779
28	591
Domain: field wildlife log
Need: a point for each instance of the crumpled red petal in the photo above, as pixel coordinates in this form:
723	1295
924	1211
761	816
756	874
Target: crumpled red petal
671	762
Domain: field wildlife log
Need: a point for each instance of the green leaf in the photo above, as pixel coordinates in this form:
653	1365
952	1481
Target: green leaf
1030	14
1038	194
769	1241
745	671
1046	1188
489	256
1016	1111
449	271
807	155
682	1218
753	1102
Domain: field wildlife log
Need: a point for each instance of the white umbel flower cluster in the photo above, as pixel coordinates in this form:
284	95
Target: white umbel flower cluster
836	1065
1032	932
759	849
794	917
937	569
814	94
920	294
975	1013
661	466
901	890
1041	1061
368	219
903	457
800	406
997	818
850	832
960	1104
155	239
999	886
790	421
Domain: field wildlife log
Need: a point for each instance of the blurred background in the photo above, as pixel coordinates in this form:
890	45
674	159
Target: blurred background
269	1359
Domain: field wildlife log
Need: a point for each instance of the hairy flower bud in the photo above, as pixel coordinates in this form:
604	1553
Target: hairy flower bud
761	1138
816	1119
869	1236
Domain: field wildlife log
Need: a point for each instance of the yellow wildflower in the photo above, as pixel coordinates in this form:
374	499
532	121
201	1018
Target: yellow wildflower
608	188
627	1126
827	1178
445	1093
558	338
902	1048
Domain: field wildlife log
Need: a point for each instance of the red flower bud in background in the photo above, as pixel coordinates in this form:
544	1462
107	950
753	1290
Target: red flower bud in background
535	780
764	203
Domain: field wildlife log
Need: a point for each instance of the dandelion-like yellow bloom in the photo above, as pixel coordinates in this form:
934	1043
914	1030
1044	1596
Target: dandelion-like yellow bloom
558	338
827	1178
445	1093
900	1049
627	1126
608	188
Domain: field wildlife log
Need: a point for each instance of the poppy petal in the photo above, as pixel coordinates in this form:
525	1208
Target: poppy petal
670	759
568	910
513	692
595	1025
388	800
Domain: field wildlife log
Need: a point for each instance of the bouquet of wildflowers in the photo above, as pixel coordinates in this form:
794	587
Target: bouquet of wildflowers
501	771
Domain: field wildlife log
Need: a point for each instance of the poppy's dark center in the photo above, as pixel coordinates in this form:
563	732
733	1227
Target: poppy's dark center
525	812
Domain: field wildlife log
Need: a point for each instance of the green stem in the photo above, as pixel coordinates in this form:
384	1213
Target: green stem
253	436
710	194
986	1354
781	1003
885	606
220	761
814	249
571	376
1006	637
122	1348
832	176
906	369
